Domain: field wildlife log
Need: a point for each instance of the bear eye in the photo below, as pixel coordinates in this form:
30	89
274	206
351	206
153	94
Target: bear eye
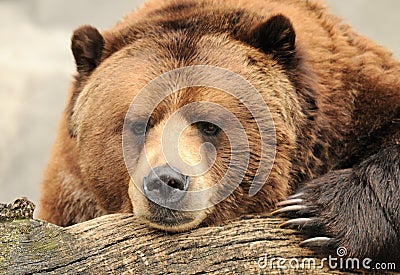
138	128
208	129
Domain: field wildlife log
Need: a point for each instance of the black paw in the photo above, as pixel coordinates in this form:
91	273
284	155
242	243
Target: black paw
315	211
357	209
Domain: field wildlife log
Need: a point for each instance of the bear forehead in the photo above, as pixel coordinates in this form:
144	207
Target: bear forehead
130	70
194	21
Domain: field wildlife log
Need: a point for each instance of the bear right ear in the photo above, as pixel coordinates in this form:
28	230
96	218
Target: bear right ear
275	36
87	47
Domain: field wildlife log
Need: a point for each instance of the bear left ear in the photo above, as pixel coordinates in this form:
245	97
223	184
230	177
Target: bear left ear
275	36
87	46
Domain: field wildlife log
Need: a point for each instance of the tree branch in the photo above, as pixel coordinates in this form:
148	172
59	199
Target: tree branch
121	244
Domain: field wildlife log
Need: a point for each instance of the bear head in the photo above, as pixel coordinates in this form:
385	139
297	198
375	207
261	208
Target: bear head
186	121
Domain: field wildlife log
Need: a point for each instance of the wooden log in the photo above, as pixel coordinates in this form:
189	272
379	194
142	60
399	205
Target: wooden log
120	244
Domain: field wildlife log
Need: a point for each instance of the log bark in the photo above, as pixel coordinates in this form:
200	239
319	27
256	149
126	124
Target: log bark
120	244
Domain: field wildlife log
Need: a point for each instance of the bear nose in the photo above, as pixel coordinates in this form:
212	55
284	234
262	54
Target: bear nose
165	184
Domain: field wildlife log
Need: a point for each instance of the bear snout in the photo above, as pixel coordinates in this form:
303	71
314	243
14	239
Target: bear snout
165	184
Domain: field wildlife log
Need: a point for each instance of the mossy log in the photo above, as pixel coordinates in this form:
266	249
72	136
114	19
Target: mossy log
120	244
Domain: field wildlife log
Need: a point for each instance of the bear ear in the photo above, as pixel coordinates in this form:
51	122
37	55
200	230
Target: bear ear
275	36
87	46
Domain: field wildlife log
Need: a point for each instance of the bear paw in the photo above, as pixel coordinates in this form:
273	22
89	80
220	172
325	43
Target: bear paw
313	213
356	209
307	217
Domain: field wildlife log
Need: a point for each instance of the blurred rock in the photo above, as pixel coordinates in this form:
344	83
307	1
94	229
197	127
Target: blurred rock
377	20
73	13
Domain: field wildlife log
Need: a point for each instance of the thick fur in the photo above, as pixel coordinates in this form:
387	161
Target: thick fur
333	94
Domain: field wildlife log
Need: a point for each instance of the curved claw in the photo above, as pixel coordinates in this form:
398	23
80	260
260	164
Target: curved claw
295	222
290	202
289	209
295	196
317	241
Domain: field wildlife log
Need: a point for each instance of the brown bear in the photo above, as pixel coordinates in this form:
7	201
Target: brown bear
191	113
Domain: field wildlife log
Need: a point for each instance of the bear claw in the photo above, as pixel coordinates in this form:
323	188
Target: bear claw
295	196
289	208
295	222
290	202
316	241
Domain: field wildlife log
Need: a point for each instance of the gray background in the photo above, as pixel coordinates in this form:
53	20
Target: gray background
36	67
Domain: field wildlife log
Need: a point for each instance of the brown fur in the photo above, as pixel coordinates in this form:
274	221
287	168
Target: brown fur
334	99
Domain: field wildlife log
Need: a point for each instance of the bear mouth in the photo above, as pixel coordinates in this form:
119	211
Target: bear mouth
164	218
